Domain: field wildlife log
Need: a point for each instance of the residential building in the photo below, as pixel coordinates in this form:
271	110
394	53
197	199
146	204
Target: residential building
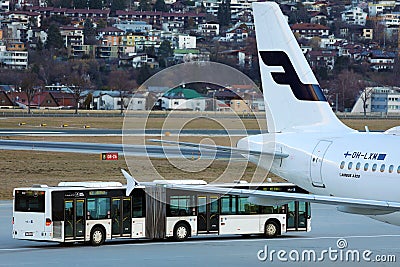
73	13
368	34
110	36
158	17
187	55
322	58
355	16
239	34
14	56
44	100
318	17
380	7
381	60
240	106
78	51
209	29
133	26
173	26
310	30
108	52
183	99
130	39
186	42
137	60
72	35
109	100
139	101
4	6
28	18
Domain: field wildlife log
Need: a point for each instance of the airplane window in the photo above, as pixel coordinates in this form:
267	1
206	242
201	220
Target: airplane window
358	166
374	167
398	169
366	167
342	165
350	165
391	167
382	168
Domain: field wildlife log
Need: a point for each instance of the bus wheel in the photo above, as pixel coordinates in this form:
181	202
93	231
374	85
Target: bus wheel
271	229
97	236
181	232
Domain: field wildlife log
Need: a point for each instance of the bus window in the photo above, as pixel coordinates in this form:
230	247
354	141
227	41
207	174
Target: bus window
268	209
302	220
180	206
228	205
98	208
29	201
245	207
137	206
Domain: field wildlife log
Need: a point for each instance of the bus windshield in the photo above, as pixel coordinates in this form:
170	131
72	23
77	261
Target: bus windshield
29	201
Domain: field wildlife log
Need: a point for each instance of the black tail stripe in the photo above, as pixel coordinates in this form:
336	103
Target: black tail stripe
308	92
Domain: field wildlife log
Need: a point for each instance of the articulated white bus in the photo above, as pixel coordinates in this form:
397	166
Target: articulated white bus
94	212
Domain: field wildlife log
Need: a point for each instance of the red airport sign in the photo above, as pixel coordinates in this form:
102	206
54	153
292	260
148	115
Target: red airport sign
109	156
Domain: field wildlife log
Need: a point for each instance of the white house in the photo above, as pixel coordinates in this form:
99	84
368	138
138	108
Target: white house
186	42
5	5
355	16
173	26
183	99
138	101
107	100
210	29
72	35
13	59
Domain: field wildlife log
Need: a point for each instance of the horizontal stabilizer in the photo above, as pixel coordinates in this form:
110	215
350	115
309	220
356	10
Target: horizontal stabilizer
275	154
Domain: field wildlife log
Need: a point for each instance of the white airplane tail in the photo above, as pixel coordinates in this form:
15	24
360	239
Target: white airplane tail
291	91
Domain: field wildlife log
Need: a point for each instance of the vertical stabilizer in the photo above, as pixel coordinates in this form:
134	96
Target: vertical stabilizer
291	91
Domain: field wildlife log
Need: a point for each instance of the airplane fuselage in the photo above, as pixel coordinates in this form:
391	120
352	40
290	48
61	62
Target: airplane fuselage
350	164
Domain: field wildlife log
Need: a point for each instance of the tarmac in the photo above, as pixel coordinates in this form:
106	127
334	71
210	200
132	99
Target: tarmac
336	239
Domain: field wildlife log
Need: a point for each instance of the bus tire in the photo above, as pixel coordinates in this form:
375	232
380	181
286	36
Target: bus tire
181	232
271	229
97	236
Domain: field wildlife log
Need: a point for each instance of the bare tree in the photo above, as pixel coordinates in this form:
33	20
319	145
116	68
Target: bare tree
347	87
366	94
29	84
77	82
120	80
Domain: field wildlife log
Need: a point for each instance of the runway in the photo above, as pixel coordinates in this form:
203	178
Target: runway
119	132
360	233
128	150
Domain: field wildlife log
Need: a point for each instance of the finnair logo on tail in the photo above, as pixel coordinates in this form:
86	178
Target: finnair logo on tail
310	92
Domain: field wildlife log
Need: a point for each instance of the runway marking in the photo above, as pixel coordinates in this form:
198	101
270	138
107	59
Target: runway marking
17	249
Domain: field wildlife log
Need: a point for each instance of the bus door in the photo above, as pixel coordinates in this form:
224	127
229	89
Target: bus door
121	216
297	216
208	214
74	218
